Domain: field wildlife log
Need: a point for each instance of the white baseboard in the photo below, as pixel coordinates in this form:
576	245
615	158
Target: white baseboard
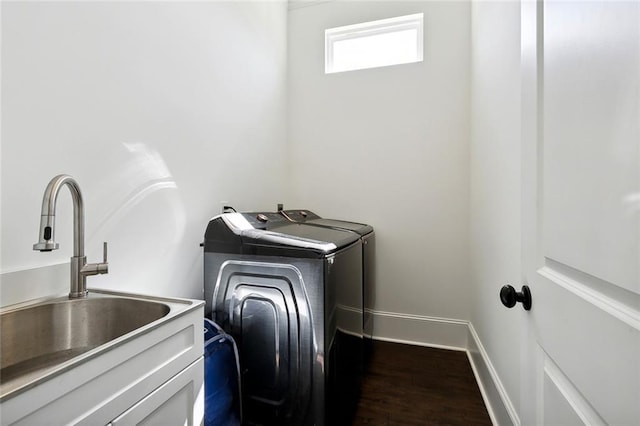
452	334
496	398
420	330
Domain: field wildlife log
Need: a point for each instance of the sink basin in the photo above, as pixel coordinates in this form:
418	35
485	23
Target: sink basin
43	338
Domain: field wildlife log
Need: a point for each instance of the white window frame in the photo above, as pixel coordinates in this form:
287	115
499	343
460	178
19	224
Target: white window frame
365	29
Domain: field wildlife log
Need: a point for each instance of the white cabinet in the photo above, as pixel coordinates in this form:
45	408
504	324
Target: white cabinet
156	372
180	401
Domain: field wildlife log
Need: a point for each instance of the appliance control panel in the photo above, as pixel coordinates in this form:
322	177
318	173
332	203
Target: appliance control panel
264	220
299	215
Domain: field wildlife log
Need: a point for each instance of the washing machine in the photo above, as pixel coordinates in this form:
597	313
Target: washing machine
291	296
367	236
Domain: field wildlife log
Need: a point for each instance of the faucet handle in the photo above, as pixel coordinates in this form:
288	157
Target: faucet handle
96	268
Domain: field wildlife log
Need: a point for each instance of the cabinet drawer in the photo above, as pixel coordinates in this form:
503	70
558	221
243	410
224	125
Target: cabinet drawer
179	401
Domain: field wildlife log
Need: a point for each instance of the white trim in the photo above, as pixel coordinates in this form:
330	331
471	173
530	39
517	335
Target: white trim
574	398
605	303
483	390
452	334
414	343
420	330
369	29
496	398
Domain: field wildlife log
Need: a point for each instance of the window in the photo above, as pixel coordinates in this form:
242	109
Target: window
374	44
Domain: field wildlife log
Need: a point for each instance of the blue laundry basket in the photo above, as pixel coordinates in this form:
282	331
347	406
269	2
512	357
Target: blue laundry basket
222	396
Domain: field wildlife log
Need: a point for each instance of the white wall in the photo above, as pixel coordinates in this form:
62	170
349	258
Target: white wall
164	110
495	228
160	110
389	147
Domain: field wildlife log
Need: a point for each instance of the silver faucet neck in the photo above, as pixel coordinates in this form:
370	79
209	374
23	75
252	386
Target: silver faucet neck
46	239
48	216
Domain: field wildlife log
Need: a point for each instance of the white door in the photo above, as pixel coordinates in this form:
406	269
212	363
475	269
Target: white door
581	210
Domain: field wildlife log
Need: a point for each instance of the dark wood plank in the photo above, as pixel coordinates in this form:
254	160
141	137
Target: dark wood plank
409	385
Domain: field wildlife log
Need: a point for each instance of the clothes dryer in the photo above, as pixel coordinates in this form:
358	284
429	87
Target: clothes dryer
291	296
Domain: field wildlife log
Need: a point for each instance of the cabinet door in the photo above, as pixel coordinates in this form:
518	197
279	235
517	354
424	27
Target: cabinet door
180	401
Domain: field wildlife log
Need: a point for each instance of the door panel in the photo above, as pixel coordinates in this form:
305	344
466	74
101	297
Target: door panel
581	213
594	350
590	134
563	404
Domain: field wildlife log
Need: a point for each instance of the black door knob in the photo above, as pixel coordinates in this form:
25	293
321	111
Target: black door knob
509	297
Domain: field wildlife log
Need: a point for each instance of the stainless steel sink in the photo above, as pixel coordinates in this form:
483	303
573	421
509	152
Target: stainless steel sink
40	339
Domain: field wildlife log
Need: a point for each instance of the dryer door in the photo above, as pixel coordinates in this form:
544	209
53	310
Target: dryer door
267	327
267	312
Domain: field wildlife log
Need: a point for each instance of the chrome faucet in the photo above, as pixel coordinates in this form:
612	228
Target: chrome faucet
80	269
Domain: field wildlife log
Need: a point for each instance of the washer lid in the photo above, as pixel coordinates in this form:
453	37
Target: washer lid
243	232
359	228
302	234
310	218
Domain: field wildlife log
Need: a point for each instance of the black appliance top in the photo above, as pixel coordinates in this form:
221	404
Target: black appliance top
272	234
310	218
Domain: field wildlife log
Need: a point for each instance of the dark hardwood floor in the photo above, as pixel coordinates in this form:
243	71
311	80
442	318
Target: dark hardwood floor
414	385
